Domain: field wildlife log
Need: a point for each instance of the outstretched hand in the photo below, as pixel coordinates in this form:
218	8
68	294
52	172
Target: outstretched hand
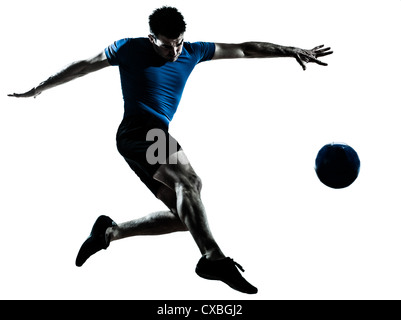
31	93
305	56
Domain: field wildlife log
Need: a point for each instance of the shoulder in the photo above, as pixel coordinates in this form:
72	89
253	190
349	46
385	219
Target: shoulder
130	42
203	50
199	46
122	49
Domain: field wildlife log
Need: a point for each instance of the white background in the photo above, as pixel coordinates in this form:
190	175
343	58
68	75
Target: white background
251	128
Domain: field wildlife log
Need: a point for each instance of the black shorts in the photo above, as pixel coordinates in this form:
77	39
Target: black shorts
143	155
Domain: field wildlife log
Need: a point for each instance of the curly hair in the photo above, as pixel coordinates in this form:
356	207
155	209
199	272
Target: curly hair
167	21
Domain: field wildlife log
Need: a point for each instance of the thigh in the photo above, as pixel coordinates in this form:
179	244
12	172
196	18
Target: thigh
132	143
145	172
145	153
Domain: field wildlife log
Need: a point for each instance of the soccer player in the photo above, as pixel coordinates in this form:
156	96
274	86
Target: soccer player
154	71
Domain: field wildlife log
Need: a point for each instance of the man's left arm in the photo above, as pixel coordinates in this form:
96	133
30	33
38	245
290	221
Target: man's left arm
270	50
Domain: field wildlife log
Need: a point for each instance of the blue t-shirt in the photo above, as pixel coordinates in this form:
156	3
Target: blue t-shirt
150	83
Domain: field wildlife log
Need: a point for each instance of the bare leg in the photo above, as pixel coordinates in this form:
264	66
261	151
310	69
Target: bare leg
106	230
156	223
180	177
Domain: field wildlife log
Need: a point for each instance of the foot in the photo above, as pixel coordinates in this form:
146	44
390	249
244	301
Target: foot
96	241
224	270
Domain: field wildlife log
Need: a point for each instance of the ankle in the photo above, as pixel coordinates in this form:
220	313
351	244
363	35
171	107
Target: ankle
111	234
215	254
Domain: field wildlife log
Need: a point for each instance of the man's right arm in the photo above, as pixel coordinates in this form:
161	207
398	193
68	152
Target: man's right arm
71	72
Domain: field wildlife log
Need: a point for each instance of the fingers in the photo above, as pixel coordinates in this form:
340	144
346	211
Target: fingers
299	60
318	47
306	56
306	59
31	93
15	95
313	58
319	62
321	52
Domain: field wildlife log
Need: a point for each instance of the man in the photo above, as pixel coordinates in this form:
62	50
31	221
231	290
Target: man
153	73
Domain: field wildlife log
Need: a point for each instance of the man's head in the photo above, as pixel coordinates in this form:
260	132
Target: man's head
167	27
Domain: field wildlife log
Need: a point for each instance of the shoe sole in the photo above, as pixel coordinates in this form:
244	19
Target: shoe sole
208	277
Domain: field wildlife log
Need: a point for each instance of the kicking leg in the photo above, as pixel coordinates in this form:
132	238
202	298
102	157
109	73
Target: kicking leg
180	177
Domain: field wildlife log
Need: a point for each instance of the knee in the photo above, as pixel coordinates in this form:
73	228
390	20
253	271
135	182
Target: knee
189	186
197	182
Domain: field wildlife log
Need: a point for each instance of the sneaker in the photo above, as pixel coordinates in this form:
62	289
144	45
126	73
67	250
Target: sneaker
96	240
224	270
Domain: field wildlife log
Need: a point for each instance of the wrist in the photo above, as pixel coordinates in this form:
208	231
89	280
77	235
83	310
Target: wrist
41	87
37	90
289	51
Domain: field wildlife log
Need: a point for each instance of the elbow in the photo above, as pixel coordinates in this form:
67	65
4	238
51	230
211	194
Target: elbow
83	68
78	69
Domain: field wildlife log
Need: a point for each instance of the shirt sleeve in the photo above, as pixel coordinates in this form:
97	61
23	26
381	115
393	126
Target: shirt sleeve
115	51
204	50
